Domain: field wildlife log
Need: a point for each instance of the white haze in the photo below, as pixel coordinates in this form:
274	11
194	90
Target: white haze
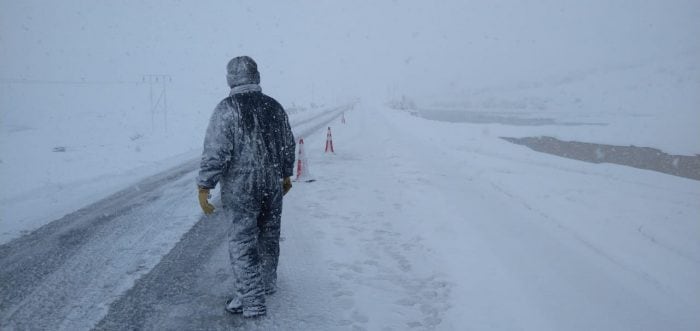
337	49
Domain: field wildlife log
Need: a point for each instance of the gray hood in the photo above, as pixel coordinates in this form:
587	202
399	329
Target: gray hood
242	70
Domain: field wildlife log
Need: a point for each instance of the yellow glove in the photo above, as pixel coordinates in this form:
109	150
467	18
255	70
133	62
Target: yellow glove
286	185
207	208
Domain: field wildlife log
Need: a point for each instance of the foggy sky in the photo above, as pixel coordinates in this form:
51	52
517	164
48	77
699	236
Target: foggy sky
332	48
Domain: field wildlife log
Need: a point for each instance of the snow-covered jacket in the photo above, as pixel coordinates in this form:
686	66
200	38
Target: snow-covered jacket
248	132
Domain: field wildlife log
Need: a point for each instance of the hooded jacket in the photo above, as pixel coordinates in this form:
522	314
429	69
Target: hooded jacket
248	131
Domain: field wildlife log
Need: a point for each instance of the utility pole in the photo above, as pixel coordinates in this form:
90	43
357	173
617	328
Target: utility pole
313	104
160	103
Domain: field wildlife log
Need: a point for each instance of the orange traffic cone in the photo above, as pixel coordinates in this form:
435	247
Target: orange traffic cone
329	141
302	163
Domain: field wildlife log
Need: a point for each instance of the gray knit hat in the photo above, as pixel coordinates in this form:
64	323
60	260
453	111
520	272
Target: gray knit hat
242	70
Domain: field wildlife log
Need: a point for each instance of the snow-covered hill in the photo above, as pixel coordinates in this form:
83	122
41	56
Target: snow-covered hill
651	104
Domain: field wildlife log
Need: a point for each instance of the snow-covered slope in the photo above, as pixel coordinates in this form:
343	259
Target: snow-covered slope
655	104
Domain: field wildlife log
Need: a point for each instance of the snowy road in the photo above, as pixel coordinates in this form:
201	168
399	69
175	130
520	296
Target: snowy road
450	228
71	269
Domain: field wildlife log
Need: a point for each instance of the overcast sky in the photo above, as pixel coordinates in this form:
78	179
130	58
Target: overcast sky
430	48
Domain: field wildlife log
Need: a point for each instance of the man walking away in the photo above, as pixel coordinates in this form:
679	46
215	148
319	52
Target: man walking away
249	151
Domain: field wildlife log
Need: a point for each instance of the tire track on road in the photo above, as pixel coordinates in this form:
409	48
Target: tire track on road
27	260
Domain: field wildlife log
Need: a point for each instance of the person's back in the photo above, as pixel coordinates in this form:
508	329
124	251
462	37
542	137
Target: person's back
249	150
261	126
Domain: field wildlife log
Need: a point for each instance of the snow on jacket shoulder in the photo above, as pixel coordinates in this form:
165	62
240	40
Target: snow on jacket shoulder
247	132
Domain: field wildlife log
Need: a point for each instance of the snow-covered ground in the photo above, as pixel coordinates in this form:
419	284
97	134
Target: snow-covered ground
410	224
428	224
655	103
109	145
79	264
